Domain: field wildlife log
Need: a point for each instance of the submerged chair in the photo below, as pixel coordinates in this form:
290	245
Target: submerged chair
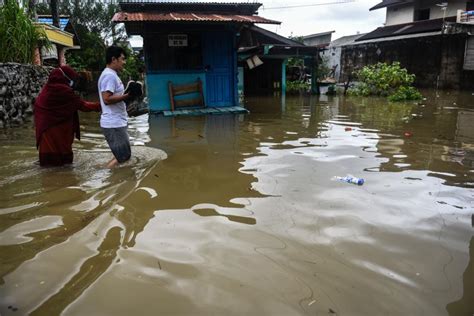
194	90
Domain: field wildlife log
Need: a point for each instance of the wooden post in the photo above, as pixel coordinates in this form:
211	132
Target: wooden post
283	76
170	89
201	95
61	54
314	75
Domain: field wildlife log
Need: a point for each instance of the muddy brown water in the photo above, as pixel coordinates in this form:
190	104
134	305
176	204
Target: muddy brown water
240	215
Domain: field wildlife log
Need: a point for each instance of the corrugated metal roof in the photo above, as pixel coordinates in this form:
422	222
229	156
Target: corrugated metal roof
188	3
407	28
318	34
268	37
215	7
188	17
49	20
345	40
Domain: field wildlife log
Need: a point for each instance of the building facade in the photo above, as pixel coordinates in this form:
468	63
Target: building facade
188	42
432	40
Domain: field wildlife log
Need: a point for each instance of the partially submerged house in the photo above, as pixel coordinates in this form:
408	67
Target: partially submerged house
263	57
433	40
190	49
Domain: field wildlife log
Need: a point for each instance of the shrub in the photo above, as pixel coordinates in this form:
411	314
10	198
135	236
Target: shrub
388	80
405	93
297	86
18	35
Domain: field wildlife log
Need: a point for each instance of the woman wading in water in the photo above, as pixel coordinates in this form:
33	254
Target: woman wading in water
56	116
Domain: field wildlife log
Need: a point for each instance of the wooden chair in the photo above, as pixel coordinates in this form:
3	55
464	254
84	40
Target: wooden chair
177	90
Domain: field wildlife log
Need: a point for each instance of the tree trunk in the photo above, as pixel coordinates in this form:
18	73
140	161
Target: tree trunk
55	12
32	10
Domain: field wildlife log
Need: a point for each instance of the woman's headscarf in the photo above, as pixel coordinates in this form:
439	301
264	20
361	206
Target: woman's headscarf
57	102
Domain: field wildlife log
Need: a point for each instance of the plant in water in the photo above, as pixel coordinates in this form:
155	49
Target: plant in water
297	86
387	80
18	35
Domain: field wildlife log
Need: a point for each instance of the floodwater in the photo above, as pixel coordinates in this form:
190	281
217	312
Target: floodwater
240	214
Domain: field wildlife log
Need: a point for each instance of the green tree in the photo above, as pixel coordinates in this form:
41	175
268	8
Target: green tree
296	61
133	68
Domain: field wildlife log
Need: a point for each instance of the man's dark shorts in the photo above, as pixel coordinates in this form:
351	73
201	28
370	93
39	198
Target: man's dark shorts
118	141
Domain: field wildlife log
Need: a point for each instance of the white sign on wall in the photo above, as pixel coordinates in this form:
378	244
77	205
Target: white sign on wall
177	40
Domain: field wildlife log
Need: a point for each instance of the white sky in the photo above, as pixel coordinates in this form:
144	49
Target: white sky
344	18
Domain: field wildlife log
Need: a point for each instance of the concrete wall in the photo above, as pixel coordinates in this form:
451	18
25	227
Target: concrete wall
437	13
442	57
406	13
318	40
332	56
19	86
399	15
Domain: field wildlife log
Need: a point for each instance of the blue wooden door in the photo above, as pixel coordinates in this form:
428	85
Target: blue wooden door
219	65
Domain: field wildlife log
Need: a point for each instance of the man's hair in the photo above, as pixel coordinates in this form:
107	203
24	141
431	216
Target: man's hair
114	51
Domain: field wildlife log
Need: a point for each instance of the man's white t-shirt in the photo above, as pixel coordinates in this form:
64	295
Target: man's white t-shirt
113	115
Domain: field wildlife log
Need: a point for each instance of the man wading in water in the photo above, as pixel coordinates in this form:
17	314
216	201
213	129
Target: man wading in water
113	119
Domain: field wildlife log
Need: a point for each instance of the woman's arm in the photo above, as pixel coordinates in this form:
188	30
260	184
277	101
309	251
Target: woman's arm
87	106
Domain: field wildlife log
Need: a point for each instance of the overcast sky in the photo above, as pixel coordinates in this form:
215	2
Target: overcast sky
344	18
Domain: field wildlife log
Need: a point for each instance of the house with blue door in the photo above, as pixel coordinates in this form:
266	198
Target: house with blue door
190	50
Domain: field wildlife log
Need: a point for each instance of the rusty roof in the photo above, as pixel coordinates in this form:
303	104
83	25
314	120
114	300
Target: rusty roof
188	17
214	7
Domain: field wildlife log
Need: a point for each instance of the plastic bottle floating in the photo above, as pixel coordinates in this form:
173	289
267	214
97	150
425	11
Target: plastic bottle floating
350	179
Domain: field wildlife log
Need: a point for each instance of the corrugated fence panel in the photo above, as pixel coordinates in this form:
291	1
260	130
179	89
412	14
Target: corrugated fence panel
469	55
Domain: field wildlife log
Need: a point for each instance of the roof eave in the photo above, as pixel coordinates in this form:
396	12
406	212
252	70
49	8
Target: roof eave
387	4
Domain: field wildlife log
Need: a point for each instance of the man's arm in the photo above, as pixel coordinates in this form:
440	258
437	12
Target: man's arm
109	98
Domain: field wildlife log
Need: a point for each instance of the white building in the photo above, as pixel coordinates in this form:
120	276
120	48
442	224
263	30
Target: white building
406	11
332	55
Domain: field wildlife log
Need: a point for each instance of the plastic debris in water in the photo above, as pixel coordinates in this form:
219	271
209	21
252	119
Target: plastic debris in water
408	134
347	129
350	179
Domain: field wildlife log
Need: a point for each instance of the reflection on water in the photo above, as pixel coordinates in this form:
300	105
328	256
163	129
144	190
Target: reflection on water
465	305
241	215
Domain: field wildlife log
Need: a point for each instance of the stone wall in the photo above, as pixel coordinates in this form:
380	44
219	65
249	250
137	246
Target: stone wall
19	86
